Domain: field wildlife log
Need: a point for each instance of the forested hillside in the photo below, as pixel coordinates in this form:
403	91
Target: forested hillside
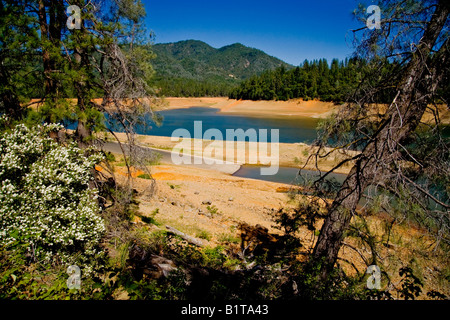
311	80
320	80
194	68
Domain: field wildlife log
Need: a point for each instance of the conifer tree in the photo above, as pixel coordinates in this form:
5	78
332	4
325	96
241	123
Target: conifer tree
405	159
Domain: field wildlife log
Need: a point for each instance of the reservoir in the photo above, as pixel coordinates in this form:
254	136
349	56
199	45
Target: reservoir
286	175
292	130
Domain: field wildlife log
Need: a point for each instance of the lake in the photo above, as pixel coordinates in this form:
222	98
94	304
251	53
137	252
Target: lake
286	175
292	130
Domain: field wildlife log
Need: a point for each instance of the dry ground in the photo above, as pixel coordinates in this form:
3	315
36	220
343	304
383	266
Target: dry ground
290	154
182	191
182	196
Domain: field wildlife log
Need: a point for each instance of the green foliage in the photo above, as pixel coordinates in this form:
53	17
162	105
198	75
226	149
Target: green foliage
213	210
194	69
84	63
151	219
144	176
171	288
182	87
18	63
204	235
45	195
226	238
109	157
208	257
214	257
20	282
433	294
311	80
40	281
174	186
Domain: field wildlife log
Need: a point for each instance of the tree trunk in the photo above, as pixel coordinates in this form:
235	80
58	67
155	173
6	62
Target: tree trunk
82	132
399	122
81	58
197	242
56	22
48	83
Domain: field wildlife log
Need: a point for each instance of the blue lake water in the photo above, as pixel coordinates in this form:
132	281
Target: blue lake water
286	175
292	130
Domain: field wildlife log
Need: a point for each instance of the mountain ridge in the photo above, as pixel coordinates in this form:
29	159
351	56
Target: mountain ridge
197	60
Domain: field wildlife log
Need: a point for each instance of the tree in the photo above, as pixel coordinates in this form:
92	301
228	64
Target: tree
108	57
310	80
96	76
414	35
18	53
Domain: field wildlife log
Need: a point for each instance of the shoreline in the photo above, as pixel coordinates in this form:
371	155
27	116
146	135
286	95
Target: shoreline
210	204
292	155
296	108
225	167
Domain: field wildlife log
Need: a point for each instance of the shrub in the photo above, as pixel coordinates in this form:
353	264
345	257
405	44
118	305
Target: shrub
46	202
213	210
202	234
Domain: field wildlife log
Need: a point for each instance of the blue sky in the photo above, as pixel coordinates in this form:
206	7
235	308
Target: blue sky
292	30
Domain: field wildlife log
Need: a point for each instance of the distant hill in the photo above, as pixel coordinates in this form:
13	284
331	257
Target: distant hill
190	65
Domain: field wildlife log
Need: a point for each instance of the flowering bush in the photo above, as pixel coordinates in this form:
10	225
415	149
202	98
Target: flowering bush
45	199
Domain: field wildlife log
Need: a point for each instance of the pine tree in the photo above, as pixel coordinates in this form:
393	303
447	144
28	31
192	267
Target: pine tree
396	156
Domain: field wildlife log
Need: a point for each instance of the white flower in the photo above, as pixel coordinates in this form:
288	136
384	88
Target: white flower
44	193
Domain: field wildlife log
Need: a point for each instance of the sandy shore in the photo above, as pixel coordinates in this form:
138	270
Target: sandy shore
210	205
289	154
291	108
274	109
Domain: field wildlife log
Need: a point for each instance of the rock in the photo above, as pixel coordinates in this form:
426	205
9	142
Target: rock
294	287
207	202
196	192
283	189
163	265
144	262
231	199
166	269
206	214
